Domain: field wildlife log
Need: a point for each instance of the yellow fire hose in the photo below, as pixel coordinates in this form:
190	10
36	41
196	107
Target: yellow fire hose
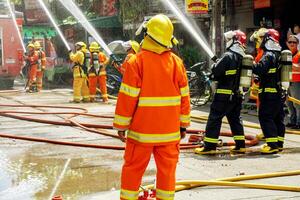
189	184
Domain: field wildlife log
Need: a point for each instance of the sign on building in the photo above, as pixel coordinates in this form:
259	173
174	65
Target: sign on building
196	6
262	4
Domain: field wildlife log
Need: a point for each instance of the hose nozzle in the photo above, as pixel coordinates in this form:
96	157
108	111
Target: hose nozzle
214	58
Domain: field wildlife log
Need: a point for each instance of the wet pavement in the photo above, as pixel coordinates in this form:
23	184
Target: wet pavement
30	170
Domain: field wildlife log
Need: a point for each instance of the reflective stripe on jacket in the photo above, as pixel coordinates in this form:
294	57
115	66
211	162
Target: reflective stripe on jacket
153	101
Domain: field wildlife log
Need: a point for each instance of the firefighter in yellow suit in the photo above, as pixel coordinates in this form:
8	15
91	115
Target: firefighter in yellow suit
81	64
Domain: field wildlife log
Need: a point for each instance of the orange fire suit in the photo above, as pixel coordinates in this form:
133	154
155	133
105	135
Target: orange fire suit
98	76
255	86
40	69
32	58
153	103
80	85
125	63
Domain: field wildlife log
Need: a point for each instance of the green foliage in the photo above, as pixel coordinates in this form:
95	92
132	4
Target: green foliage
132	10
191	55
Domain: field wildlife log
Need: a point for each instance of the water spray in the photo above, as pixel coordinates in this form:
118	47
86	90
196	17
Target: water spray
54	24
185	22
16	25
77	13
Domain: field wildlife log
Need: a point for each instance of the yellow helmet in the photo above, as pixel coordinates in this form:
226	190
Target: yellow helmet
37	45
257	37
30	45
81	44
94	47
160	29
135	46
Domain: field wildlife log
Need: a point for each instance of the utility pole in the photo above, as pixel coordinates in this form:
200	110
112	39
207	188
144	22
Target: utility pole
24	11
216	28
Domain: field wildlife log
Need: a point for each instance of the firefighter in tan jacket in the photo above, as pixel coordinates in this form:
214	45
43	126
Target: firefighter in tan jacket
80	68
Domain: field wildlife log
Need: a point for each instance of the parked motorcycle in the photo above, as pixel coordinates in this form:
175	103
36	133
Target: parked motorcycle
200	85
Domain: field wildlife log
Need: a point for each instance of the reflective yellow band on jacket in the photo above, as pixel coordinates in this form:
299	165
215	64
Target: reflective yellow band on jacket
272	71
272	139
159	101
185	118
154	138
269	90
130	91
239	137
121	120
102	73
223	91
210	140
104	95
184	91
129	195
230	72
165	195
280	139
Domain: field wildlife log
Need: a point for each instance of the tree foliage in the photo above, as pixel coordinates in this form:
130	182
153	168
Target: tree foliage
132	10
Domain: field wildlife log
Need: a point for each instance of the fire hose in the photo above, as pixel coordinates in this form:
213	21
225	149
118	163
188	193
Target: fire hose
67	122
230	181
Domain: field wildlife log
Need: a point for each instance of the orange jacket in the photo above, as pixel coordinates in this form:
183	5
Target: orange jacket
33	58
103	60
153	101
296	67
260	53
42	60
125	63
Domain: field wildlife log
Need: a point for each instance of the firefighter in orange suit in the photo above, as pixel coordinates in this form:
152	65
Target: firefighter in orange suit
81	61
41	65
153	107
32	59
133	48
97	73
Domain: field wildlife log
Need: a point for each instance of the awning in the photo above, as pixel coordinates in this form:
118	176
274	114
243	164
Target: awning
38	32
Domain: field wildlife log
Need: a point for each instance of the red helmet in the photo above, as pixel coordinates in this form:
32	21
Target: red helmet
272	33
241	37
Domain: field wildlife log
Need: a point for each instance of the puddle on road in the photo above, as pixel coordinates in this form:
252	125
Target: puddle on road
16	184
39	175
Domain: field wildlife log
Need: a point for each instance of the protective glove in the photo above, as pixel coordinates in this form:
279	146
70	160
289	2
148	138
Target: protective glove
182	132
122	136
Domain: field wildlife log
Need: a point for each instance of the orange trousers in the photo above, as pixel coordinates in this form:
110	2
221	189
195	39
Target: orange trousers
32	76
137	158
93	83
39	80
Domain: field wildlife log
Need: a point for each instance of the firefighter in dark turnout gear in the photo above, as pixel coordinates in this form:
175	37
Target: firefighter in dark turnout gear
227	100
271	95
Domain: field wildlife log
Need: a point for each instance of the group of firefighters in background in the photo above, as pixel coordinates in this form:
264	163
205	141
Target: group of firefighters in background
89	70
35	65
